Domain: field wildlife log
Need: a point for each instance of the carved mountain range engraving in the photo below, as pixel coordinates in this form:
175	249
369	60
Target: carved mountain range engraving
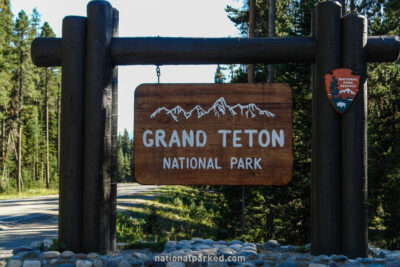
219	109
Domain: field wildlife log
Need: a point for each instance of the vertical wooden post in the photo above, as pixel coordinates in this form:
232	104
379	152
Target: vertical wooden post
73	85
325	184
354	142
97	138
114	136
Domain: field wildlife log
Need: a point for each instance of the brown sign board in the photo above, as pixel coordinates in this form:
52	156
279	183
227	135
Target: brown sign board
213	134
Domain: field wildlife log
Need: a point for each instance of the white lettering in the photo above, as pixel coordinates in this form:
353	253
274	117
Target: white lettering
160	134
260	138
250	133
236	138
280	138
187	139
249	161
174	139
233	161
150	142
193	163
224	133
198	134
166	163
257	163
202	163
175	163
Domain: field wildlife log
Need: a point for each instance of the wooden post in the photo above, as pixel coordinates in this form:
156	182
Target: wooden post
97	136
73	85
354	142
325	183
114	136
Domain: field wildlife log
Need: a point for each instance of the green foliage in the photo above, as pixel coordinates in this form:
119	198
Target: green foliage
175	213
25	93
282	213
125	158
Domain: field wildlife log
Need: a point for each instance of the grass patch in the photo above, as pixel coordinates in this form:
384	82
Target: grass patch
32	192
175	213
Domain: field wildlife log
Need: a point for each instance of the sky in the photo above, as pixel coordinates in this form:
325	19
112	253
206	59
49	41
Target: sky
138	18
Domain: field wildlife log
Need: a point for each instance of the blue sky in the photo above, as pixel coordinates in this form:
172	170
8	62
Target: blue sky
178	18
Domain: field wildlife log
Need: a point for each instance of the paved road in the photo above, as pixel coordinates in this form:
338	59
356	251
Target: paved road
28	219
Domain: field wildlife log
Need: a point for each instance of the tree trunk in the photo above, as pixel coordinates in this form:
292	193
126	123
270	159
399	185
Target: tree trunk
58	128
250	67
19	172
3	144
250	79
47	129
352	6
271	33
343	3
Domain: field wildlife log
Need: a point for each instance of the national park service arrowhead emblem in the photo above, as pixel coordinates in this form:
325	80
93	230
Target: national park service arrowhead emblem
341	88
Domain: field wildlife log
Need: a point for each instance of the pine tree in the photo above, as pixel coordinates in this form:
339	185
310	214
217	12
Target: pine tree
6	35
333	87
21	35
46	31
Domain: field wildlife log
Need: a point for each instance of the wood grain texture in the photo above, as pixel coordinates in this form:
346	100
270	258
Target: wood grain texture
276	162
46	52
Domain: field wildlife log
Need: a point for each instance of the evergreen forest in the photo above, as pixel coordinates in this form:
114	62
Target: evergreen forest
30	132
283	212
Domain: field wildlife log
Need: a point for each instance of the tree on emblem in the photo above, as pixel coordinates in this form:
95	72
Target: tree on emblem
333	88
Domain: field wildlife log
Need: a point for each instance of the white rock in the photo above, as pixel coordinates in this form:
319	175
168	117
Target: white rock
31	263
272	243
184	243
51	254
67	254
83	263
36	244
175	264
236	247
92	255
14	263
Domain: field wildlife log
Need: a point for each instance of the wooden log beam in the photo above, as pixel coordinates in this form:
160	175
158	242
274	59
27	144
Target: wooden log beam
325	174
97	133
354	142
163	51
382	48
71	167
46	52
114	149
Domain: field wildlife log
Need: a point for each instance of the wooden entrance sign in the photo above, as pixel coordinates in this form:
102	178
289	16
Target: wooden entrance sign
213	134
339	223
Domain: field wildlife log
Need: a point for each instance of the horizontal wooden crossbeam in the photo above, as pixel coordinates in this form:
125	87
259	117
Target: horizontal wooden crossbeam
46	52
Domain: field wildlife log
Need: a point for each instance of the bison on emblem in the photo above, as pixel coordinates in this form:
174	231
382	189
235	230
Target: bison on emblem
341	88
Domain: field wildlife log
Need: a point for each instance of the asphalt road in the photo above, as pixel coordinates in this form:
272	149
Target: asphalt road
25	220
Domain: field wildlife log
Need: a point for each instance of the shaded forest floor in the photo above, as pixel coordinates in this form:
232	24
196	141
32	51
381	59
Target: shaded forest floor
168	213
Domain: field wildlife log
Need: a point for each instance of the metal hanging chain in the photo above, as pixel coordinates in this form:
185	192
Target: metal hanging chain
158	71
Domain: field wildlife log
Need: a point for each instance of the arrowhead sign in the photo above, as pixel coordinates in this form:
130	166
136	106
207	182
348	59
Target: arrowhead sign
341	88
